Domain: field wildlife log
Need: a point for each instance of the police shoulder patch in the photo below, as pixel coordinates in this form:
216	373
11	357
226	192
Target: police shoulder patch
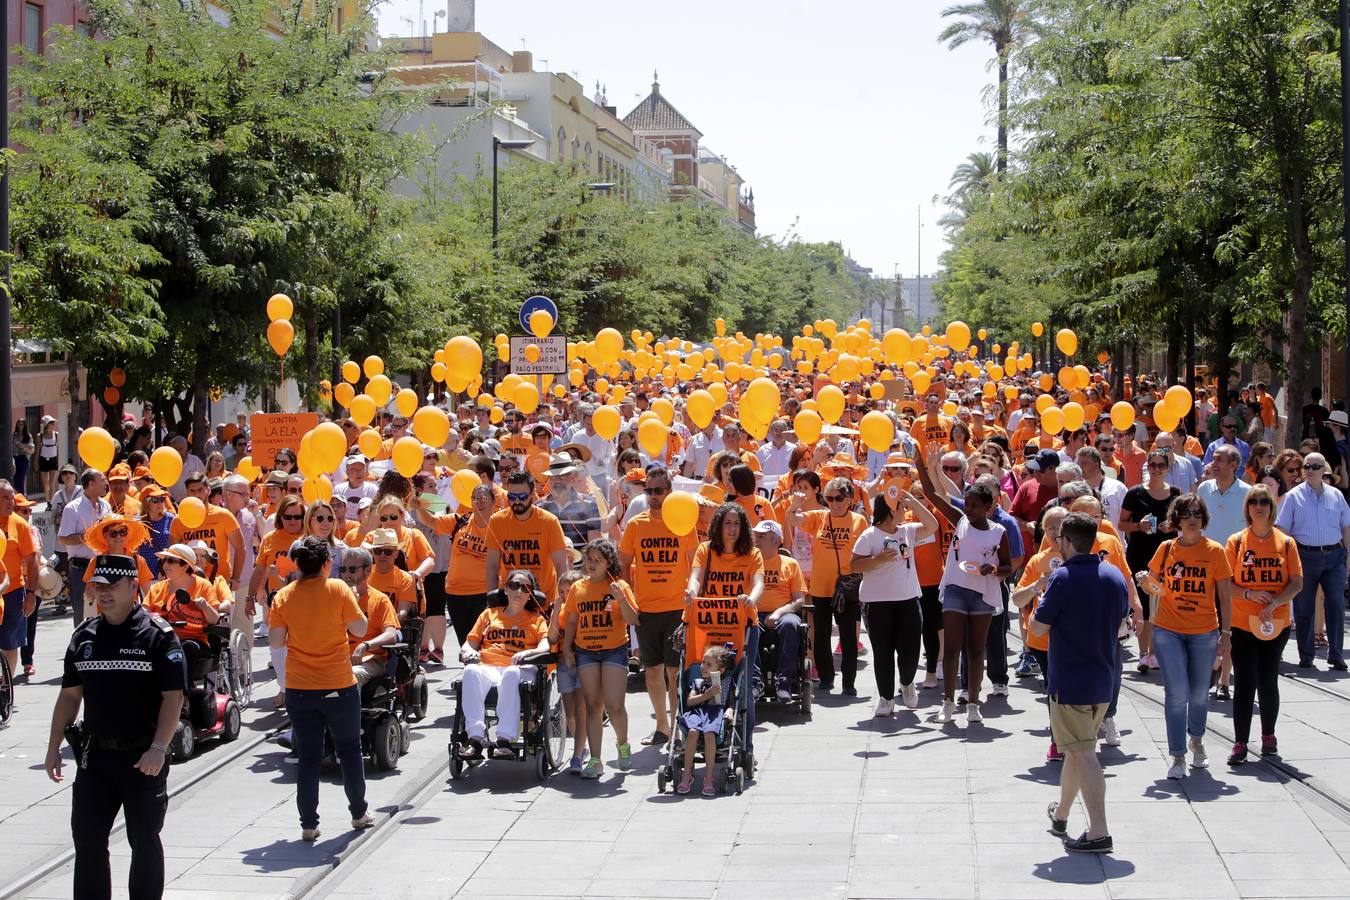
161	623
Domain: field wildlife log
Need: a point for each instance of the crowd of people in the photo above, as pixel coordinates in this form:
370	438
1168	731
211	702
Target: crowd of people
960	549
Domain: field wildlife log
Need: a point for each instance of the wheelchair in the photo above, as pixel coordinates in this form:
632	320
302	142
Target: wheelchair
543	734
766	669
394	700
210	706
6	691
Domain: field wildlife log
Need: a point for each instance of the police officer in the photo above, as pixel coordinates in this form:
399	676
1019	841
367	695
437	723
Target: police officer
127	667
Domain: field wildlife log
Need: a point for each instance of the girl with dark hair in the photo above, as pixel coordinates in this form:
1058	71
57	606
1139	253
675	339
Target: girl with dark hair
508	631
1144	524
312	618
1191	580
596	615
889	593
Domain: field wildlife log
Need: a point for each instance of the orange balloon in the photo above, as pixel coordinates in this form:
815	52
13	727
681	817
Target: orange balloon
192	512
117	378
279	306
280	335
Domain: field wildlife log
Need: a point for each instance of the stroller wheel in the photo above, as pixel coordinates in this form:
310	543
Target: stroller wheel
661	780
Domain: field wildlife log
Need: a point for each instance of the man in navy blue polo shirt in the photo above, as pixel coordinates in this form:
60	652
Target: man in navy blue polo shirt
1083	605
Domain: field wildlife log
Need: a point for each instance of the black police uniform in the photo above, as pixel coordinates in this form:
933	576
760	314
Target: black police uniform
122	670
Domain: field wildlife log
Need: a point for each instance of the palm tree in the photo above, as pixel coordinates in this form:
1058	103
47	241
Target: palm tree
1004	23
970	181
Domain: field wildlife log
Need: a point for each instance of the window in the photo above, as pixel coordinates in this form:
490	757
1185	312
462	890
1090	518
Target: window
32	28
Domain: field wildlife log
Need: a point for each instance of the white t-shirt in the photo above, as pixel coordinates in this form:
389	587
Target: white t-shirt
896	580
977	547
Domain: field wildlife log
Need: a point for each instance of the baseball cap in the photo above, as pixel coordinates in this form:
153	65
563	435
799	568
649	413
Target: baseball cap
769	526
1044	461
111	568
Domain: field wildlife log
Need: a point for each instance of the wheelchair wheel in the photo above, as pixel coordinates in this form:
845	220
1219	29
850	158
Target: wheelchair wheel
233	722
457	765
183	743
554	725
808	694
385	744
418	697
6	691
241	668
737	781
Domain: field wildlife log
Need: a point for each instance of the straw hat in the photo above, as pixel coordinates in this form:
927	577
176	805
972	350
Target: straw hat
381	537
95	536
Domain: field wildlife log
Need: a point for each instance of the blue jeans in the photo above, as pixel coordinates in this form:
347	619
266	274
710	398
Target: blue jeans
747	684
1115	687
1186	661
1327	571
339	712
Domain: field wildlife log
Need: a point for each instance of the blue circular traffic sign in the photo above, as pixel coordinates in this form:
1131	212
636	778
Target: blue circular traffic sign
538	301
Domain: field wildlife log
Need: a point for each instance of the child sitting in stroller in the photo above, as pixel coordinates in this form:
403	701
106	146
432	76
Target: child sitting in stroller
706	706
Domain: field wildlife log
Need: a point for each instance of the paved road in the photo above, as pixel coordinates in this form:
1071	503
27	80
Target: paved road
846	805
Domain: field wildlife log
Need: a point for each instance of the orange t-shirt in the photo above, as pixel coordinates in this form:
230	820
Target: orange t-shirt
143	576
1132	466
18	547
1261	564
275	551
315	613
782	578
930	556
1267	409
1038	565
467	573
163	599
834	537
380	614
519	444
501	635
600	624
756	508
661	562
725	574
528	544
930	430
1188	575
215	531
397	585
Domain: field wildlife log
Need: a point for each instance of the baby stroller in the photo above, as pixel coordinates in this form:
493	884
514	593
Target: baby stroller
713	620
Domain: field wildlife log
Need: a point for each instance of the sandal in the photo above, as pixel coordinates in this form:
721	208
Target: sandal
472	750
655	739
709	789
503	750
686	784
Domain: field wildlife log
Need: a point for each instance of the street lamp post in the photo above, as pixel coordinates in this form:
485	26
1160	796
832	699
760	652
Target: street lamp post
1345	186
497	145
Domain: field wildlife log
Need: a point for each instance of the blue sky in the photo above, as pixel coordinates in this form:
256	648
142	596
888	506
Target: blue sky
844	117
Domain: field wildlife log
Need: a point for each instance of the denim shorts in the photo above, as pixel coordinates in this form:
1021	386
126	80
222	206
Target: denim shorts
617	657
956	598
567	677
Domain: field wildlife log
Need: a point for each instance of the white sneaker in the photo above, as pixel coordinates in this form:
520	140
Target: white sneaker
948	713
1110	735
885	708
1199	758
910	695
999	690
973	713
1178	769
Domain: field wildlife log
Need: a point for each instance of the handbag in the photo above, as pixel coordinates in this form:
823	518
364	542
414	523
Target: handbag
845	586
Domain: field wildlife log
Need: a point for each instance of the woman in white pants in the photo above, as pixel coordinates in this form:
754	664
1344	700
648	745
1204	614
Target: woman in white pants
499	642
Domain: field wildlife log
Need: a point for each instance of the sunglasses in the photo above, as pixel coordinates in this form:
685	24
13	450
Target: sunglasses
352	570
393	518
384	551
1312	467
1158	467
834	498
1259	501
952	468
515	497
174	562
1228	427
115	532
430	456
518	586
154	499
292	518
321	518
1292	469
1182	517
295	491
655	491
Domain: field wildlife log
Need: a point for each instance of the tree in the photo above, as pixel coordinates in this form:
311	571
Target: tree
1007	25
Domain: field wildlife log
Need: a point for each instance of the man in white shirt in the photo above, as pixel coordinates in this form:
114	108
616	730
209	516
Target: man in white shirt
702	446
1111	490
356	487
78	517
236	499
774	455
192	464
